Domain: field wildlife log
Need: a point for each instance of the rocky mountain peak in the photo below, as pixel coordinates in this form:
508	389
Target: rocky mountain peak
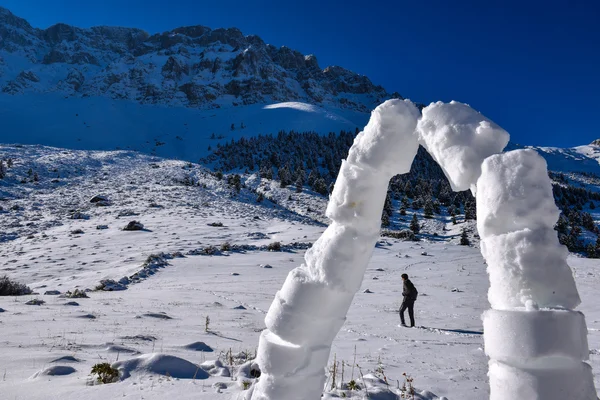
192	66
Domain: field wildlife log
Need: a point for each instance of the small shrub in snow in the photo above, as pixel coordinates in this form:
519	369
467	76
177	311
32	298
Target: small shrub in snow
105	373
226	246
77	232
216	224
100	200
35	302
274	246
405	234
79	215
407	391
134	226
210	250
76	294
9	287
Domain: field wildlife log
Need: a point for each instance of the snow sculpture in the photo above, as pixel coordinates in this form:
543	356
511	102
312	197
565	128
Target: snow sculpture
536	354
536	342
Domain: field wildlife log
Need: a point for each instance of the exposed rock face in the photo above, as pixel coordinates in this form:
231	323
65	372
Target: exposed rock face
192	66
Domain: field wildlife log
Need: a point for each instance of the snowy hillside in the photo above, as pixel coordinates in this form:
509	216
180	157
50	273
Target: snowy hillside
99	123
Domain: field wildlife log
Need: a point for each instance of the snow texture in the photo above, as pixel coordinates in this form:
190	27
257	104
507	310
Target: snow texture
515	218
459	139
536	343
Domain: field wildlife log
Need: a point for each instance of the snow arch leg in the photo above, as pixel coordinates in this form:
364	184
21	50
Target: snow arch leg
311	307
536	343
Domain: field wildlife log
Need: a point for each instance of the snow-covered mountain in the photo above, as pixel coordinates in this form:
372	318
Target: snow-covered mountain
194	66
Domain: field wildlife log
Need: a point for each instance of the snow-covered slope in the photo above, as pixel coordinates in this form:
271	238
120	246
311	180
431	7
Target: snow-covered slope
584	158
164	312
100	123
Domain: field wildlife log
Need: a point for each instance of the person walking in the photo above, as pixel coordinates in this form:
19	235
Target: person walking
409	294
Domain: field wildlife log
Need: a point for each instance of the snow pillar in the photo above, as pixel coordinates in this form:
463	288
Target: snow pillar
536	343
311	307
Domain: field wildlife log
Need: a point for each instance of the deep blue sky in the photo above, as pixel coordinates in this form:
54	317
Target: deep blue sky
533	67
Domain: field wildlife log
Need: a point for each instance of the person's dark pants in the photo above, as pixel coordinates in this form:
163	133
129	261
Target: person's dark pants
408	304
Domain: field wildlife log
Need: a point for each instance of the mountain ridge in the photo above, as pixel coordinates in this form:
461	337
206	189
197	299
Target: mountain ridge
191	66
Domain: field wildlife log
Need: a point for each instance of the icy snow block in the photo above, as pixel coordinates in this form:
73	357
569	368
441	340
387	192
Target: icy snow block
459	139
532	339
514	192
528	268
576	383
358	196
276	388
278	357
302	326
340	256
389	142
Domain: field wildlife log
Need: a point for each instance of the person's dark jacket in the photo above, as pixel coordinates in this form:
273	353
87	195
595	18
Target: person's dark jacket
409	291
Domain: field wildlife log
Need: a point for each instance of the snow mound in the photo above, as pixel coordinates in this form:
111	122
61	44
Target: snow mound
161	364
459	139
115	348
66	359
198	346
56	370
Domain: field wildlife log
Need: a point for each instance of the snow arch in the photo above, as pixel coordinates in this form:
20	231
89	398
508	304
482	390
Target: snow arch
311	307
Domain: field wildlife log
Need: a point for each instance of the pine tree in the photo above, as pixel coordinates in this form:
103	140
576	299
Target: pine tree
284	176
385	219
2	170
9	163
388	207
260	197
470	211
233	127
405	202
428	210
320	187
454	220
562	225
299	184
464	238
414	224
